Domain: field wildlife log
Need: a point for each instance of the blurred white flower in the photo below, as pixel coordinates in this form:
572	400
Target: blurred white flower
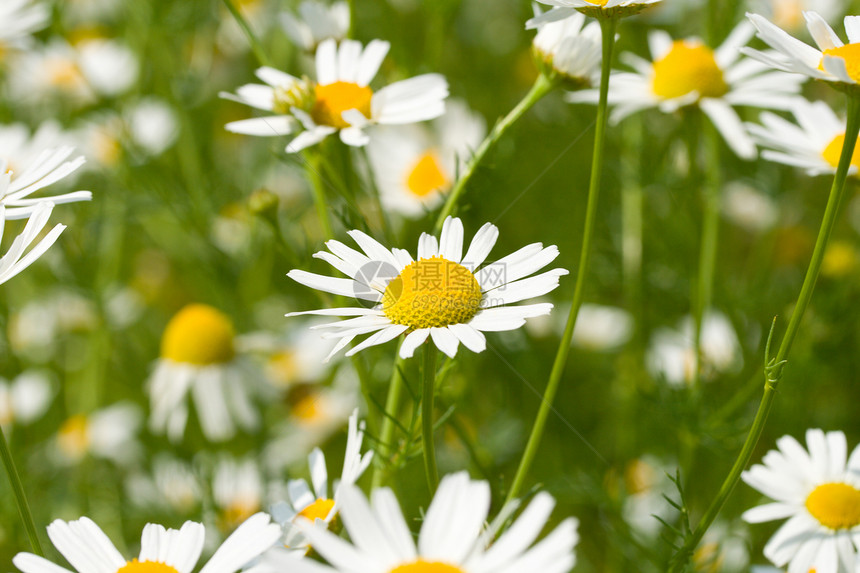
36	329
788	14
20	147
172	486
109	433
152	124
24	399
293	359
601	328
646	482
20	18
570	48
749	208
316	22
48	167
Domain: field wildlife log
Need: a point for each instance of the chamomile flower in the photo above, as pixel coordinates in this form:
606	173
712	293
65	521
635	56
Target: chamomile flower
819	493
316	22
570	49
415	166
444	295
813	143
109	433
20	146
24	399
452	538
50	166
238	490
88	549
687	72
316	502
198	357
594	8
20	19
173	486
15	260
340	100
832	61
788	14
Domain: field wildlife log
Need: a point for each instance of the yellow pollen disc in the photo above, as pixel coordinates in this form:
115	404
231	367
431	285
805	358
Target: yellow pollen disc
240	510
317	510
689	66
851	54
135	566
597	2
432	292
422	566
833	150
426	176
334	99
73	437
835	505
199	335
63	73
307	409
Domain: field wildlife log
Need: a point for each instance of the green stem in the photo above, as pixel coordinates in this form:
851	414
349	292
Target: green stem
428	384
607	27
774	367
256	46
386	436
541	87
314	166
20	497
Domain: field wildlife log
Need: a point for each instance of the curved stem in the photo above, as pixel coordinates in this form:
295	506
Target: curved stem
541	87
428	384
20	496
386	435
256	46
607	27
774	367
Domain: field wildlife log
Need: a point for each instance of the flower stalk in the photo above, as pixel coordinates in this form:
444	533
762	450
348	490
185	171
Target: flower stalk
256	46
20	496
386	435
428	384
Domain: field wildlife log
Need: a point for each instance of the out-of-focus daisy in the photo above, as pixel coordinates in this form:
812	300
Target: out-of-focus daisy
444	295
814	143
832	61
340	100
595	8
840	259
172	486
569	49
48	167
20	147
316	502
260	15
20	19
198	357
38	328
724	549
88	549
238	490
748	207
687	72
24	399
788	14
316	22
108	433
292	359
647	484
601	328
672	355
15	260
452	538
415	166
819	494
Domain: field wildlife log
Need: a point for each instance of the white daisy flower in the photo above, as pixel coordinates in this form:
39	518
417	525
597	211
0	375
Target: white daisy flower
788	14
687	72
813	143
340	100
198	357
172	486
315	502
570	48
89	550
15	261
748	207
20	147
594	8
832	61
452	538
415	166
21	18
108	433
24	399
238	491
601	328
38	328
647	485
819	494
444	295
316	22
47	168
293	358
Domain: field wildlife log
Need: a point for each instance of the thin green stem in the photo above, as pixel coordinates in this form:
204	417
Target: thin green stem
541	87
20	497
256	46
607	27
428	385
314	166
774	366
385	447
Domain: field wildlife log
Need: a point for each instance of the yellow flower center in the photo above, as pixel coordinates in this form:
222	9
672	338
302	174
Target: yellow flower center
840	258
317	510
334	99
851	54
422	566
426	176
63	73
238	511
73	437
689	66
787	14
833	150
307	410
432	292
135	566
199	335
597	2
835	505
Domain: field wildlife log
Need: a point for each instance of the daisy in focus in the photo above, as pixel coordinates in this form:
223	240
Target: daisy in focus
17	258
20	18
819	493
340	100
48	167
452	538
569	49
198	357
315	502
813	143
593	8
88	549
316	22
444	295
687	72
415	167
